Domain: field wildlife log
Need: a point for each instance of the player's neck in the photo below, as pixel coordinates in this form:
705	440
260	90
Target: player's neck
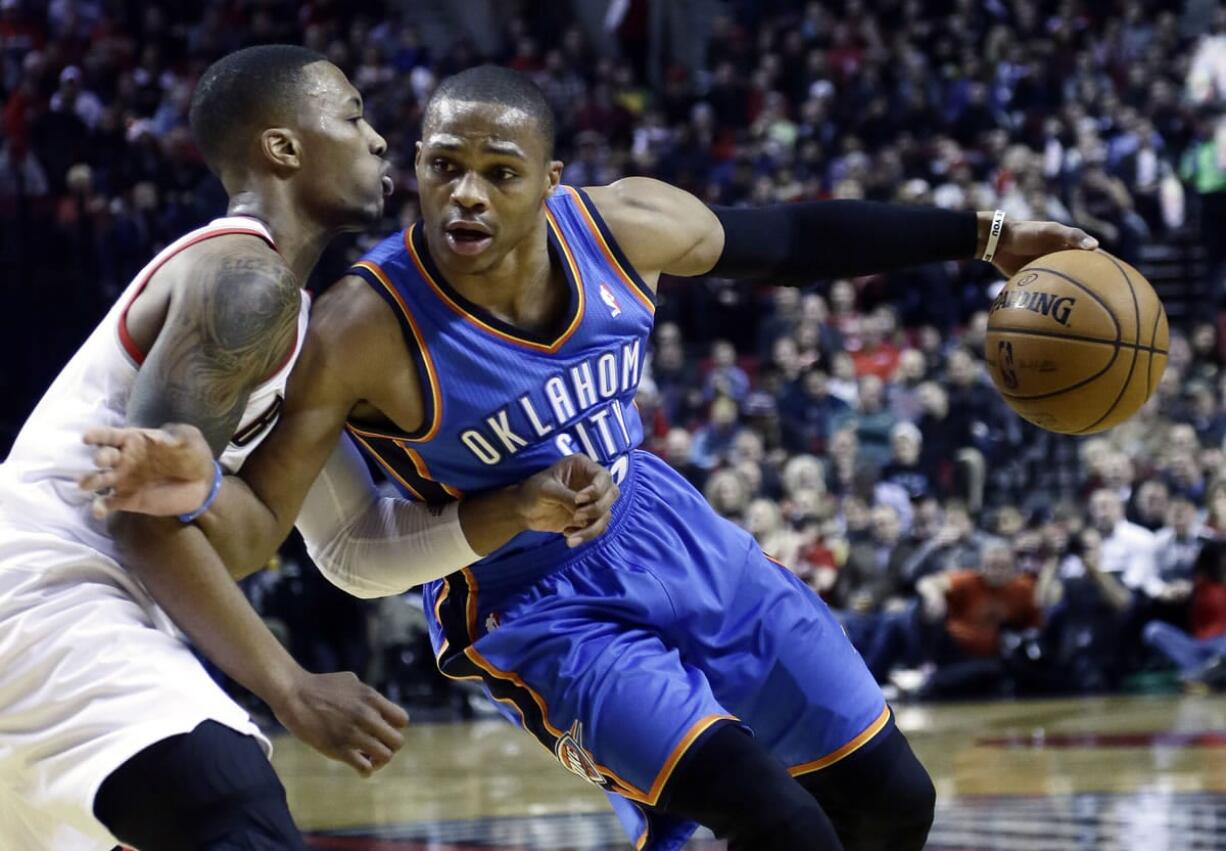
518	289
299	239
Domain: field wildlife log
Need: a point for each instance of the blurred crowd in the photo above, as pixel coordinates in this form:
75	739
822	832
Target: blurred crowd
848	424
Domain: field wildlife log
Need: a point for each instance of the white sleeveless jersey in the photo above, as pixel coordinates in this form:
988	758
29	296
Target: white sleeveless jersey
38	490
92	671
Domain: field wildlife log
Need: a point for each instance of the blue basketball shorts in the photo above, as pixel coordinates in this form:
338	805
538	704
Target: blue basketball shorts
618	659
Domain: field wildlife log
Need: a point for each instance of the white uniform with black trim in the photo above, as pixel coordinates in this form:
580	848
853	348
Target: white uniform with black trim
92	671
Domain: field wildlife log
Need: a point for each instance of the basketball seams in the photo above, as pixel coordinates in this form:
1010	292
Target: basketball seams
1153	337
1136	306
1077	338
1115	353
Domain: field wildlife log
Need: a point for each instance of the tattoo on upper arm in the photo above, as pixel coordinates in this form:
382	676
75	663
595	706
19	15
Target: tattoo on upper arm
223	335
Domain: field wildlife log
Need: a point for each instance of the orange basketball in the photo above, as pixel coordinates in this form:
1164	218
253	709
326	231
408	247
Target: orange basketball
1077	341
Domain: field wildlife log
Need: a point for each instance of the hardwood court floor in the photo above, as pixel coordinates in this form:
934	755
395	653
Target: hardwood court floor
1128	773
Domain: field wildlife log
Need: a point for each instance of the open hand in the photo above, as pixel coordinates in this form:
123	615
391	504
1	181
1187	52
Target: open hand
344	719
1023	242
160	471
572	497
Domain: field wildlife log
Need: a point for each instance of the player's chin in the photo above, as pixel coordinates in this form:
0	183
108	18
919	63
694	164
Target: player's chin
367	214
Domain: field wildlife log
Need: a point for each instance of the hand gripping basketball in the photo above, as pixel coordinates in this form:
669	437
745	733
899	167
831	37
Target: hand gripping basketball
1022	242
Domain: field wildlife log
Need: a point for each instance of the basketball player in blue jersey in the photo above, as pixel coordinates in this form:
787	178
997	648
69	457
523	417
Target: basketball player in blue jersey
671	662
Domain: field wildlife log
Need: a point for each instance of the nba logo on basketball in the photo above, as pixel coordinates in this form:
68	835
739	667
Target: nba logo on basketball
606	295
575	758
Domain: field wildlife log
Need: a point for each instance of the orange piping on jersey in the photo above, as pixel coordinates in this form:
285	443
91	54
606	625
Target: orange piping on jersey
386	466
778	563
519	341
847	750
627	280
641	842
379	274
419	464
125	339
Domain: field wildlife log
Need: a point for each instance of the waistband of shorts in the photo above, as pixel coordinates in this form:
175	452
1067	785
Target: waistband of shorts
531	563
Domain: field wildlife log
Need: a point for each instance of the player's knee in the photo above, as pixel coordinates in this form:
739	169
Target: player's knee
208	790
901	816
916	805
734	786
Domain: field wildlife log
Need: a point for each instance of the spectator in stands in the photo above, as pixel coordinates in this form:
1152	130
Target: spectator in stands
1084	610
873	422
725	378
1178	542
974	607
1126	549
871	578
956	545
904	467
713	441
1199	654
810	414
1150	507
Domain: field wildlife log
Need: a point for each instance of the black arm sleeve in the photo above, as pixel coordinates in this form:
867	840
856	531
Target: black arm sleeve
799	243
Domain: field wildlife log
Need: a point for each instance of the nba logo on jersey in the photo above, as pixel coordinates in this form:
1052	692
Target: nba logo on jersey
575	758
606	295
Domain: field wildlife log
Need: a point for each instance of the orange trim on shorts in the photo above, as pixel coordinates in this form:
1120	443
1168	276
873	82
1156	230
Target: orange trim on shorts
847	750
490	329
432	375
391	471
471	579
609	257
419	464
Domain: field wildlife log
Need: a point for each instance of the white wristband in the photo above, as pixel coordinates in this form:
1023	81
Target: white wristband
998	227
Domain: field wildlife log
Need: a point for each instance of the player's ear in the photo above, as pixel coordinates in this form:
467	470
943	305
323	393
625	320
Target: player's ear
553	176
282	148
416	154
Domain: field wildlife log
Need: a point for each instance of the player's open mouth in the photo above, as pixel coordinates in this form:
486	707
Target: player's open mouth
468	238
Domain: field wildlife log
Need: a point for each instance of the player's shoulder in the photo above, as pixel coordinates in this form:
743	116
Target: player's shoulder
659	226
238	273
350	316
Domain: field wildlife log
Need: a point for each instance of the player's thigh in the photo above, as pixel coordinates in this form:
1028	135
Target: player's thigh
117	685
212	789
606	695
777	658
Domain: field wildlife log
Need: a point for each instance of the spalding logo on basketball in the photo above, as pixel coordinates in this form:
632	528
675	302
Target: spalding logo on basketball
1077	341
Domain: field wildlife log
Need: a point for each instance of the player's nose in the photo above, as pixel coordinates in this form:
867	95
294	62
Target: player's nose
469	193
378	145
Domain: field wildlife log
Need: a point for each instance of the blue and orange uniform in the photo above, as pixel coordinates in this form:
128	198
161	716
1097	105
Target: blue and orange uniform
617	655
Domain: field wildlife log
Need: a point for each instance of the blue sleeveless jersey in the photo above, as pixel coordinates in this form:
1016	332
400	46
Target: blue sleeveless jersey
618	655
502	404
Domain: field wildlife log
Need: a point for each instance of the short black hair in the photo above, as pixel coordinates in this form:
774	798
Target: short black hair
503	86
241	90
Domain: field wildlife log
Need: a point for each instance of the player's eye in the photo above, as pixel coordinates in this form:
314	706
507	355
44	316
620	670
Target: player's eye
442	166
357	120
501	174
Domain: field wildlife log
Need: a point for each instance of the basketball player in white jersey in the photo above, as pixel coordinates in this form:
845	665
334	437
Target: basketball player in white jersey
110	730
